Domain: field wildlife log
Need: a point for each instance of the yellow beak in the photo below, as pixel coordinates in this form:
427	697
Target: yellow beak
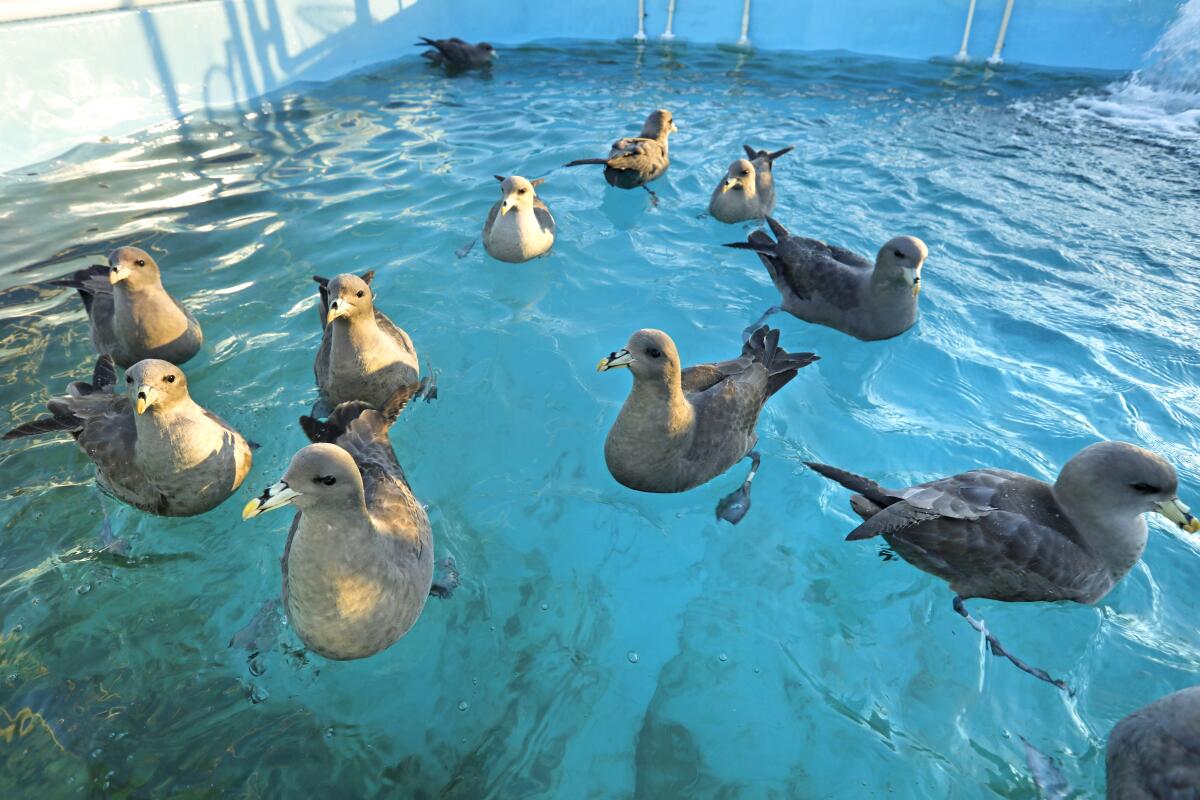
1178	513
729	184
117	274
338	308
146	397
505	206
621	358
277	495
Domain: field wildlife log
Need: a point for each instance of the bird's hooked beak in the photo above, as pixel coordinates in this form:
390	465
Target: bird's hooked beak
146	397
730	183
278	494
673	128
117	273
1178	513
916	283
621	358
338	308
505	206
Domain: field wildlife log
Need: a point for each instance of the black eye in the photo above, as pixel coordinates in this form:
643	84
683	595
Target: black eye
328	480
360	293
898	254
520	191
128	379
1145	488
141	262
653	352
745	172
170	379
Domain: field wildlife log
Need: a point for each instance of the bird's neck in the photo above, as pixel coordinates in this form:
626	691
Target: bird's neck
658	408
1118	540
152	311
357	334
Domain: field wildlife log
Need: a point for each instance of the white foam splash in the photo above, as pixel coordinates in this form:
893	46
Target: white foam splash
1163	96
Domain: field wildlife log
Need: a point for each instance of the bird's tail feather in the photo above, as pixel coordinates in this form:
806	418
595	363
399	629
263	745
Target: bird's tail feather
763	346
586	161
855	483
337	423
79	279
777	229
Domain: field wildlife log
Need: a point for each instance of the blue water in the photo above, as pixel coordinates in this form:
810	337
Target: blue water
606	643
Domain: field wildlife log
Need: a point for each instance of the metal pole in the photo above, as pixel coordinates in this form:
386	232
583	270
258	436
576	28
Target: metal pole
962	50
640	36
670	18
995	59
744	41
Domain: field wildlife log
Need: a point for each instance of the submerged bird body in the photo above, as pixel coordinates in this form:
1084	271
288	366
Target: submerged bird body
519	227
1154	753
363	354
358	564
834	287
155	449
748	189
680	428
638	160
456	53
132	316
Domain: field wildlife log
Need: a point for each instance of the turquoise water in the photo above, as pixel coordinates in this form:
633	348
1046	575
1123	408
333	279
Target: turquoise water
606	643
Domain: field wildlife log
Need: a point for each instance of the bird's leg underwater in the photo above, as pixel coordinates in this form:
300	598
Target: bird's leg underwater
758	323
445	579
734	506
998	650
653	196
428	385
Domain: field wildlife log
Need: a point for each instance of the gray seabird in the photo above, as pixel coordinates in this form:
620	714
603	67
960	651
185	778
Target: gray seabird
748	189
358	564
680	428
152	446
834	287
456	53
519	226
132	316
1005	536
635	161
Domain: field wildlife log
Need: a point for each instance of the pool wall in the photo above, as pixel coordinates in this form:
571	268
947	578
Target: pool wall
76	70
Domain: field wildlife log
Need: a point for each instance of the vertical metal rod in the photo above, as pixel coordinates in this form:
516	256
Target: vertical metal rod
640	36
670	18
995	59
962	50
744	41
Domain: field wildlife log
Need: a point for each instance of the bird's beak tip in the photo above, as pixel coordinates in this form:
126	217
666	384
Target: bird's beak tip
250	510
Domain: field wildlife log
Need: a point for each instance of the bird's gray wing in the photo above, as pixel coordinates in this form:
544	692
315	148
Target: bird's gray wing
727	412
491	219
542	212
989	533
97	295
394	331
108	436
1155	751
703	377
635	155
811	268
321	364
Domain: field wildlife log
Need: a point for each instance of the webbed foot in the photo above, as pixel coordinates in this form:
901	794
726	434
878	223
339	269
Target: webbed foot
445	579
734	505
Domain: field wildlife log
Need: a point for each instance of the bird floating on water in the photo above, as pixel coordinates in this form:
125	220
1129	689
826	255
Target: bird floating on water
832	286
363	354
1154	753
637	160
748	189
680	428
132	316
359	560
456	53
519	226
1001	535
153	447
